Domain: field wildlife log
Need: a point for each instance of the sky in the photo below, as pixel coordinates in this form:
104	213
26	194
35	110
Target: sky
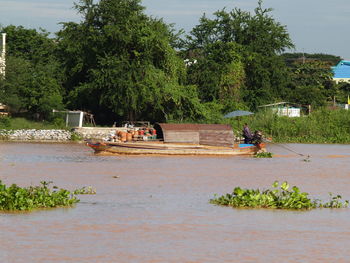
315	26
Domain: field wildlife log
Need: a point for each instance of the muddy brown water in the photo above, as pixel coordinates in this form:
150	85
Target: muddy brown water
156	209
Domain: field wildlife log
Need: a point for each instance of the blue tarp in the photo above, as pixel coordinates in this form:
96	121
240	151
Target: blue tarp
243	145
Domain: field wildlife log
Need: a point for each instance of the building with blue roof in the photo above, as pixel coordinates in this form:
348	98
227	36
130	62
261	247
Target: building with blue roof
342	71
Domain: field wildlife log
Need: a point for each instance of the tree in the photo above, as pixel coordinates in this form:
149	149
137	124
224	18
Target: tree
29	44
311	83
120	62
218	72
261	39
290	58
343	92
33	77
31	88
258	32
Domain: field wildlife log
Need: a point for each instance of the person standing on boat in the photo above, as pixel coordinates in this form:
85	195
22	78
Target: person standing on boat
247	135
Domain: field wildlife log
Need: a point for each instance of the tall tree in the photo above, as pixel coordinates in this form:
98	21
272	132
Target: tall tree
262	40
33	77
29	44
119	61
219	72
311	83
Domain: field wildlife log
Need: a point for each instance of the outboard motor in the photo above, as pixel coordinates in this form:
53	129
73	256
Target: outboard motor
257	138
258	141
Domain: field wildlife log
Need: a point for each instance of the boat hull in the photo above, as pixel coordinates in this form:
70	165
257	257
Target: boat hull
160	148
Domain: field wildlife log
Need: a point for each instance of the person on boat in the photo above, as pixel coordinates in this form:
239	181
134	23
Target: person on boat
247	135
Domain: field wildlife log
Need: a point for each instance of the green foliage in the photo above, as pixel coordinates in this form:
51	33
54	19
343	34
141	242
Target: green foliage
258	32
321	126
120	61
257	74
33	77
280	197
263	155
311	83
219	73
85	191
22	123
5	122
29	44
15	198
76	137
267	82
342	92
121	64
291	58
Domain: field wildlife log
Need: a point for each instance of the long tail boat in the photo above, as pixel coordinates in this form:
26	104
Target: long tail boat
182	139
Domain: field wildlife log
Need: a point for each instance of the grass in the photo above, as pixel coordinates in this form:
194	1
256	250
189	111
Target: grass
9	123
321	126
280	197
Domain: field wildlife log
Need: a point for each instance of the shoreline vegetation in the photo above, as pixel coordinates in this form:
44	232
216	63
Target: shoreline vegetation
321	126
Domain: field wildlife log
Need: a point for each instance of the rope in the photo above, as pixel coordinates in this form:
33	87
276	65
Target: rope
291	150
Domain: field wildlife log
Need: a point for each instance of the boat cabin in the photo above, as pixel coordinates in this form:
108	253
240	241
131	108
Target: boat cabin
203	134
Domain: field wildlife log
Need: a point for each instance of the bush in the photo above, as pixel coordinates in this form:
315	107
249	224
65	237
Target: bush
5	122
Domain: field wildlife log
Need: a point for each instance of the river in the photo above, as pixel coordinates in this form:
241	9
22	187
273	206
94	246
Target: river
156	209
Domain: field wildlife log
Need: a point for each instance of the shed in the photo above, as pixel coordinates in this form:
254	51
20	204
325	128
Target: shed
342	71
204	134
77	118
283	109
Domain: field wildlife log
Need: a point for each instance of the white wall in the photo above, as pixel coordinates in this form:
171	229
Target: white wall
285	111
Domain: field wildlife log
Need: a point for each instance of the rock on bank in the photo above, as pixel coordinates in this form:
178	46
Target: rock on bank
58	135
35	135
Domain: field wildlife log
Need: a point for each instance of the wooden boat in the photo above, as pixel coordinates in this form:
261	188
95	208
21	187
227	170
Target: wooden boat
160	148
181	139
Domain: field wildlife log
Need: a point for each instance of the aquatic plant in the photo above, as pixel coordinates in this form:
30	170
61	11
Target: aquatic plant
15	198
280	197
76	137
85	191
263	155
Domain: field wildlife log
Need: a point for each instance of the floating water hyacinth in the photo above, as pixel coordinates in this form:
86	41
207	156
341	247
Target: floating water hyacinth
15	198
280	197
263	155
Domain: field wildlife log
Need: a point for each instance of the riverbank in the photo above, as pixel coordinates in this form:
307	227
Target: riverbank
57	135
322	126
35	135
